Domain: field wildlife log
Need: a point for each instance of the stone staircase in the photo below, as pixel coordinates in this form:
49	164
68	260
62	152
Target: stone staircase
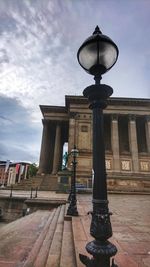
50	239
46	182
28	183
42	239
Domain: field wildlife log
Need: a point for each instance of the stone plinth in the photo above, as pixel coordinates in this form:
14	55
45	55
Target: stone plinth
64	180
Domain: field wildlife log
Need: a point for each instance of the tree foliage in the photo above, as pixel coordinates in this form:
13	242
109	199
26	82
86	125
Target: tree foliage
33	168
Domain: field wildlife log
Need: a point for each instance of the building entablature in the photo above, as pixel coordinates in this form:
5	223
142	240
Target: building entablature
79	105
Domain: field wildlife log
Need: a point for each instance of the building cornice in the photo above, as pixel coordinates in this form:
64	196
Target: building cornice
71	99
111	101
48	109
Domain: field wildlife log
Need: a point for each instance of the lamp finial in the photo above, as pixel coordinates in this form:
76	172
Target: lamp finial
97	30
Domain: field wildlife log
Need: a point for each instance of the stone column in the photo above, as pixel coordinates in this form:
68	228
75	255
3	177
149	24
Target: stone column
133	142
72	136
147	128
44	146
72	131
57	149
115	142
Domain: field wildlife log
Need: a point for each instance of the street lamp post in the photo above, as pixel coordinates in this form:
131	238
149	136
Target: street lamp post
97	55
72	209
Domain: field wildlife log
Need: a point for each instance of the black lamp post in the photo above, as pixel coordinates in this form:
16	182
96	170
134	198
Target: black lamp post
97	55
72	209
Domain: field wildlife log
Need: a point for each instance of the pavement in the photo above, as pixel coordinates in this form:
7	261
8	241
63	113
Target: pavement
130	223
131	227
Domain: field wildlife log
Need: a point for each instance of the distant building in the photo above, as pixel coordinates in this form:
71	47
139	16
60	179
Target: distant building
3	174
16	172
127	141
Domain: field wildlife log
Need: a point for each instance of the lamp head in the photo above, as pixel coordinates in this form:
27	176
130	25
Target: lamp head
74	152
98	53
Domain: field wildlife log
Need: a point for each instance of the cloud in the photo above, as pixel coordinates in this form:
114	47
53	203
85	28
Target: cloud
37	60
38	63
39	49
19	135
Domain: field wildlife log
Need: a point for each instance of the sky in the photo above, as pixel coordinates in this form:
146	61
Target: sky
39	40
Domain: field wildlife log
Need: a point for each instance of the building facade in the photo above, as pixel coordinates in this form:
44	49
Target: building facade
127	140
16	172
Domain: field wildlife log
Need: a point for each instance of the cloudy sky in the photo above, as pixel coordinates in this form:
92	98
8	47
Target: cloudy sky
39	40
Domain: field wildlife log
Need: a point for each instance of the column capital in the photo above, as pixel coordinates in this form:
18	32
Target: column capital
114	117
132	117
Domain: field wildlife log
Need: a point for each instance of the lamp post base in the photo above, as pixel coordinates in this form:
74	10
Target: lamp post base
101	252
100	248
97	261
72	209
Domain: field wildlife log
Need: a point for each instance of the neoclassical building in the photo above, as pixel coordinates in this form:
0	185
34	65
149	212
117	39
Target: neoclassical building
127	141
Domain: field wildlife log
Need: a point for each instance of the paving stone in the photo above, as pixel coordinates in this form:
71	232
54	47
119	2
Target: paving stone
124	236
136	247
146	261
141	229
123	260
7	263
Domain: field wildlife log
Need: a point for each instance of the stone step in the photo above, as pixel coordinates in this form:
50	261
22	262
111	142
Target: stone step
80	239
41	258
55	249
46	182
28	183
40	240
67	257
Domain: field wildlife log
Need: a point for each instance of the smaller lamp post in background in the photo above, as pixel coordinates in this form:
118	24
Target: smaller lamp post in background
11	189
72	209
97	55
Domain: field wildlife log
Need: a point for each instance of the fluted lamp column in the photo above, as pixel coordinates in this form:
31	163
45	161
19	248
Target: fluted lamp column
72	208
96	56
